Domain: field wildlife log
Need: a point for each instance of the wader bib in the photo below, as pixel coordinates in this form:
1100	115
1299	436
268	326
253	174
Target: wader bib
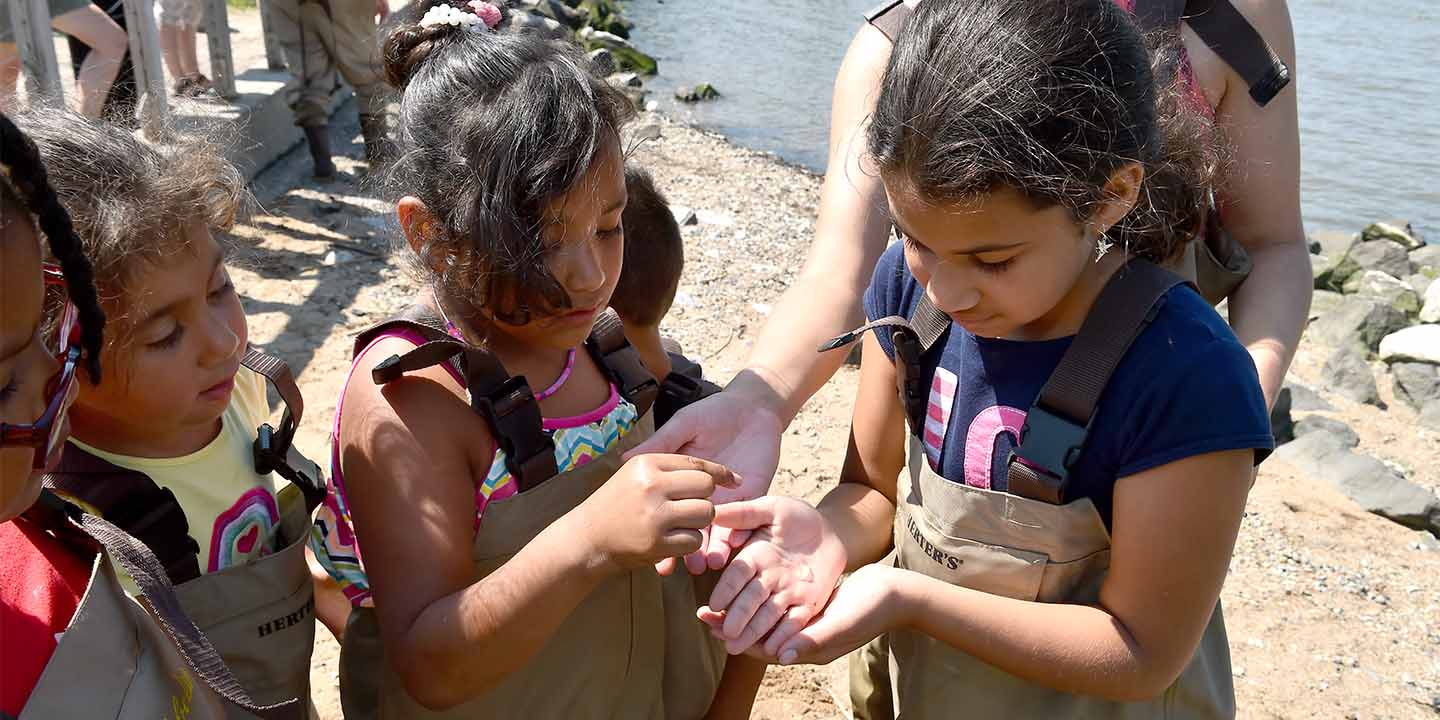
116	660
260	615
1031	542
633	648
1025	549
1213	261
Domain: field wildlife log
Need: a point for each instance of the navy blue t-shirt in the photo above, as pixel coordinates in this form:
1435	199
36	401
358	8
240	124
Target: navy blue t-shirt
1187	387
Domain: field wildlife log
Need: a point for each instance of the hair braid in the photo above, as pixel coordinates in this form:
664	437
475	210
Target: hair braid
26	172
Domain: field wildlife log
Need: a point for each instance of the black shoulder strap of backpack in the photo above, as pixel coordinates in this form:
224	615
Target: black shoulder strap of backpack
62	518
1058	424
133	501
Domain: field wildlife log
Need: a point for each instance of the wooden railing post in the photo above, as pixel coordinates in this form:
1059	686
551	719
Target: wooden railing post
36	43
149	73
217	35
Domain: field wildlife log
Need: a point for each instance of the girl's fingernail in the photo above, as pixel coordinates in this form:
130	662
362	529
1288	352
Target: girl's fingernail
787	657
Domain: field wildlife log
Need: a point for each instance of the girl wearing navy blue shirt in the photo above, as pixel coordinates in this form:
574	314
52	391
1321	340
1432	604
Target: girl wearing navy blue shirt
1028	151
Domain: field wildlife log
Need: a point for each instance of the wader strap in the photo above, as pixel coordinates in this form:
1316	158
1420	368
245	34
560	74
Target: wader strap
55	514
911	337
1058	424
274	450
505	403
133	501
621	362
889	17
685	385
1236	41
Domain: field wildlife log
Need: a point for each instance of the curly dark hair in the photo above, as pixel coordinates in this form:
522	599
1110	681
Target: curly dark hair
130	199
1049	98
493	127
25	191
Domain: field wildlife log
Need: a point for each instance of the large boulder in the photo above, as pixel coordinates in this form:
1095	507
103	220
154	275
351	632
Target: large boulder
1420	343
1416	383
1427	257
703	91
1387	256
1392	291
1347	374
1431	310
1370	483
1357	320
1396	231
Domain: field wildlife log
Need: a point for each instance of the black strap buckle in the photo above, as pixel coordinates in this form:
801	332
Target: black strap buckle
681	389
514	414
1049	444
271	452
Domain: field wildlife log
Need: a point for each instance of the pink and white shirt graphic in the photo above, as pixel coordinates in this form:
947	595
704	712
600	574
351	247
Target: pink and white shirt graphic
937	413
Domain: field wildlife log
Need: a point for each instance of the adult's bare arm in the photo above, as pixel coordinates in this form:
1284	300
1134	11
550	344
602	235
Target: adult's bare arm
1260	200
850	234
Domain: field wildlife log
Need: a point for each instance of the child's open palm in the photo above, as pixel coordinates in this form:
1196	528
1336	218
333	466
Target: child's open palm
781	578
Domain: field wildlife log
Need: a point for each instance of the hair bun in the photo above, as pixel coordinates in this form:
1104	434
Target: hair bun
406	44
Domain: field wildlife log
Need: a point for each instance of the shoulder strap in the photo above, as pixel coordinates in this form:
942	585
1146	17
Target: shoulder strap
621	362
505	403
1058	424
56	515
685	385
1236	41
889	17
274	450
911	337
133	501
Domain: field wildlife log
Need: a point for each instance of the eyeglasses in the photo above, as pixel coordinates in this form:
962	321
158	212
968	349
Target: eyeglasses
44	434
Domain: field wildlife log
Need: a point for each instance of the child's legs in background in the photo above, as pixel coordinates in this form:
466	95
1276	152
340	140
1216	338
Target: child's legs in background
178	21
107	42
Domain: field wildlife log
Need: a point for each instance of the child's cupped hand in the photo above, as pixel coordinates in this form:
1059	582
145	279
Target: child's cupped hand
779	580
653	507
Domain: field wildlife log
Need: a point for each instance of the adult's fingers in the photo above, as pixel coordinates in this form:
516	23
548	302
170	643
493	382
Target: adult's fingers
733	580
746	514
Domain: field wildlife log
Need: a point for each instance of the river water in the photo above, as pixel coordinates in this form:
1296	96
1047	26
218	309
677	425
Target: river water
1367	74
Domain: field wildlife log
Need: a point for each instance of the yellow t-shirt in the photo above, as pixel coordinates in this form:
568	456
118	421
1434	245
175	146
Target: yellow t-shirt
232	511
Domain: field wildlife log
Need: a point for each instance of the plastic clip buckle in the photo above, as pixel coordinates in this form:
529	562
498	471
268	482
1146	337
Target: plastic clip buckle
1051	444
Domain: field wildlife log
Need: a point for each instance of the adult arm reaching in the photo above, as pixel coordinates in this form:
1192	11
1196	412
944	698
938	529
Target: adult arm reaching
741	426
